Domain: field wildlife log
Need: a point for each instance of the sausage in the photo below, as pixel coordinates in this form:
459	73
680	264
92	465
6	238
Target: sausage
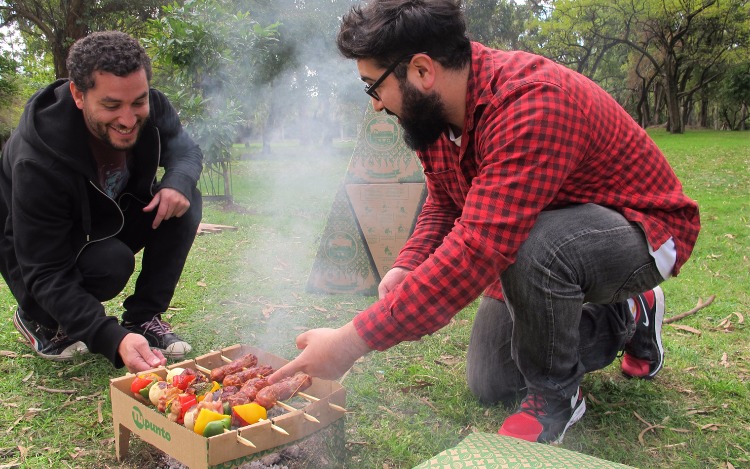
247	392
240	378
283	390
246	361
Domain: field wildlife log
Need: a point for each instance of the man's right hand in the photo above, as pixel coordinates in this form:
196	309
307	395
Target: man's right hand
137	354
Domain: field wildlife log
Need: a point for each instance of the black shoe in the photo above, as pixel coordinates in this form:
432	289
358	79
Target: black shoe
544	420
159	335
644	353
52	344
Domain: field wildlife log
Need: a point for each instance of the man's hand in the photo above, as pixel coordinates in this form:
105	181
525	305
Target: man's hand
170	203
326	353
391	280
137	354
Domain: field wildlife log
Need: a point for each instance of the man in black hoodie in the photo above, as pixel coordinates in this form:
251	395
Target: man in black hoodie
79	196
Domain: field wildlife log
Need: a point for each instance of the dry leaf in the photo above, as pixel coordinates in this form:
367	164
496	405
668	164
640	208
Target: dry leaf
318	308
201	283
740	318
448	360
267	311
8	354
99	415
692	330
729	236
724	360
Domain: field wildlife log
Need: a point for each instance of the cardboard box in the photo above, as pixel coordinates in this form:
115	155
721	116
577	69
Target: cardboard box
373	213
492	451
131	416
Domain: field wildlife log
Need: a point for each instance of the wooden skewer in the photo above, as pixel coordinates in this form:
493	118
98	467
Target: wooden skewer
308	397
276	427
203	369
242	440
286	406
226	360
292	409
315	399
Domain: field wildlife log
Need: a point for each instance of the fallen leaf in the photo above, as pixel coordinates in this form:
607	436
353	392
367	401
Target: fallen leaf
740	318
729	236
8	354
201	284
724	360
267	311
448	360
100	416
28	376
692	330
318	308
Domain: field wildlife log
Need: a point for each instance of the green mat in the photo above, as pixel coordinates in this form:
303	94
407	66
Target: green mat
492	451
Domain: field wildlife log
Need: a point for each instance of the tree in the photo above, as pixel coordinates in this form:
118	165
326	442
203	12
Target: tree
676	46
54	25
206	55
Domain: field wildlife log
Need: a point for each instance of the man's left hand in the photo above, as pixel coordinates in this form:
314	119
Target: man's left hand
169	203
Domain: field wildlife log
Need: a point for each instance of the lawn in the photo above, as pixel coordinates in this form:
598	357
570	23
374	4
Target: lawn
411	402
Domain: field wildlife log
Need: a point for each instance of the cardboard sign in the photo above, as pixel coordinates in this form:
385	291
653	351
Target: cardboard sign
373	213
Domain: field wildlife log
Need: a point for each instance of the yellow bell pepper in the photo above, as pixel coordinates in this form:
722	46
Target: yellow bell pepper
247	414
203	418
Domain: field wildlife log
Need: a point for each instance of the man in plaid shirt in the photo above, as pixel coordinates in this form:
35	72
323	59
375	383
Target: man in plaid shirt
543	194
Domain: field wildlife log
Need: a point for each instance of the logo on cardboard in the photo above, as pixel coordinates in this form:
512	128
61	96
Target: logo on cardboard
382	133
142	422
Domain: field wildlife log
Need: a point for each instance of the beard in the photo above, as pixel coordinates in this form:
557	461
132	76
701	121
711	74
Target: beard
422	118
101	130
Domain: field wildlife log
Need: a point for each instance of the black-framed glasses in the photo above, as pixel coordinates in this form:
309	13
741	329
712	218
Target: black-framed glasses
371	89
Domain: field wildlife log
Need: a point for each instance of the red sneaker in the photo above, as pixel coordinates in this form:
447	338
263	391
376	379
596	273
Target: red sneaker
544	420
644	353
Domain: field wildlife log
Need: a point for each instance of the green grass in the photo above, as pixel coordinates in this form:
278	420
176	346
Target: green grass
411	402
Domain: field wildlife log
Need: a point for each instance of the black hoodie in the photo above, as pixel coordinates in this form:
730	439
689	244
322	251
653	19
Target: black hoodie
51	205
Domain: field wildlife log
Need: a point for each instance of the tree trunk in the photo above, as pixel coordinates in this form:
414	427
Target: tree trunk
675	125
703	118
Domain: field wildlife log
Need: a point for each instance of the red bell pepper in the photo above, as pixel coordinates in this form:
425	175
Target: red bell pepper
182	381
140	383
186	402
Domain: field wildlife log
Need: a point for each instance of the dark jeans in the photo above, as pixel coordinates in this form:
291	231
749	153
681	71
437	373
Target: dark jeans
565	311
107	265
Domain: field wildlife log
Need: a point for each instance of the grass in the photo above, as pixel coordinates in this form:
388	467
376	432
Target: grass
411	402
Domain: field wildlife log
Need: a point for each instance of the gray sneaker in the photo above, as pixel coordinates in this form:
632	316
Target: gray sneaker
160	335
51	344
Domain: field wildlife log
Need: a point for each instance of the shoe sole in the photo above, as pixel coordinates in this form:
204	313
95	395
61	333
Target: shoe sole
67	353
659	318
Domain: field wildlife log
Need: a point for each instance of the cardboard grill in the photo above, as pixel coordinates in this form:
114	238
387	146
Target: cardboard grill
323	404
373	213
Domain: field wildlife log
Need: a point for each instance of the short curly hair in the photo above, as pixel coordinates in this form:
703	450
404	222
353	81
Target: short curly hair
106	51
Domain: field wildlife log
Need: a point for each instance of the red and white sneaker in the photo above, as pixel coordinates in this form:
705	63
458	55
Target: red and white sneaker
644	353
544	420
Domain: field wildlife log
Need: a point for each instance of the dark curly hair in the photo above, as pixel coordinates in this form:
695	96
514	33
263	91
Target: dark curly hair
106	51
386	30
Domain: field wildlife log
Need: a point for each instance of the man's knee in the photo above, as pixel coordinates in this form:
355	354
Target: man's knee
106	267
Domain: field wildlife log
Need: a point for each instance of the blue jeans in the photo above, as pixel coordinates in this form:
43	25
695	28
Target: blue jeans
565	311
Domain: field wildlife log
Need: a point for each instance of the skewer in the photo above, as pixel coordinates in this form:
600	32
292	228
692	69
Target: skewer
292	409
276	427
242	440
226	360
315	399
203	369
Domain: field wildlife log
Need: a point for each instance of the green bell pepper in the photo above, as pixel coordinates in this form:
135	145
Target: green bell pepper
217	427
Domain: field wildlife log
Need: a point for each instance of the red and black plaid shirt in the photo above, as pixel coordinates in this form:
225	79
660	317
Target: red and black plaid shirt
537	136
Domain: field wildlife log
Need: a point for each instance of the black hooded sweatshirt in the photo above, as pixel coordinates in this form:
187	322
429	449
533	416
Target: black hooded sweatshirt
51	204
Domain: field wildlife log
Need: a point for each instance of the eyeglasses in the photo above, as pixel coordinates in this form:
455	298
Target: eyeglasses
370	89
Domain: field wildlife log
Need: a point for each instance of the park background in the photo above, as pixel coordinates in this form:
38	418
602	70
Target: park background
260	85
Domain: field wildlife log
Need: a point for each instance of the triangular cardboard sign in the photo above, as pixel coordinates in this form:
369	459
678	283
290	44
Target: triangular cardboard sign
373	213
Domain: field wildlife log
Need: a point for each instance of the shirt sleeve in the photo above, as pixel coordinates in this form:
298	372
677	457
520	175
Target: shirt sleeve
527	142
